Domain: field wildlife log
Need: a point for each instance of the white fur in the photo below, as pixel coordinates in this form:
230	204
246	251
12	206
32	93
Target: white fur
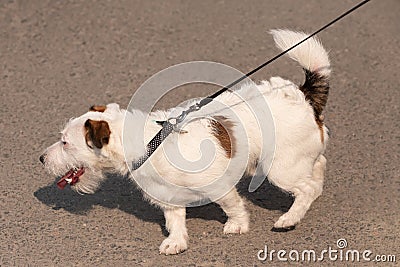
298	165
311	54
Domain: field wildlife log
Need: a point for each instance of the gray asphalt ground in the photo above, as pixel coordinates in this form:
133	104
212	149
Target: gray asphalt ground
57	58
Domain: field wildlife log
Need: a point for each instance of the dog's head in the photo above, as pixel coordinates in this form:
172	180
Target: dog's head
88	145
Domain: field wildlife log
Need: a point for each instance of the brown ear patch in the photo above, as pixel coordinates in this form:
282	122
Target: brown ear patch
222	129
97	133
97	108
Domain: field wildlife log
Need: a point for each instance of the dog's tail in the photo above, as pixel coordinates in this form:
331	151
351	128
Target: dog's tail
315	61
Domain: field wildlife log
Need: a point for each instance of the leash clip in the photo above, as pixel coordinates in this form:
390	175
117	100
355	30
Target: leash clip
176	120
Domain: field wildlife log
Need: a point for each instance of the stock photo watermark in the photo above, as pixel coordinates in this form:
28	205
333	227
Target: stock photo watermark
205	72
338	253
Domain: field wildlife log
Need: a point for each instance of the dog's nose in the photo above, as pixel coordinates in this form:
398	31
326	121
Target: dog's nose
41	158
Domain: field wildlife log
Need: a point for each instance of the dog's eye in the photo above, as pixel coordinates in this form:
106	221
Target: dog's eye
64	143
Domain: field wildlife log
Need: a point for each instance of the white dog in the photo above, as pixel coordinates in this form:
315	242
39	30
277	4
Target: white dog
92	144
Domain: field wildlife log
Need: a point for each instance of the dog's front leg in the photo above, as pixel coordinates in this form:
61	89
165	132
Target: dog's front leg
175	223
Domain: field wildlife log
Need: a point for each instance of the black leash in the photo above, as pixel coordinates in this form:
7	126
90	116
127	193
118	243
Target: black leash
169	125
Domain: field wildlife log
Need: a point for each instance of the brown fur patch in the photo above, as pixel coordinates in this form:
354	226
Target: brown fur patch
320	124
97	133
97	108
316	90
222	129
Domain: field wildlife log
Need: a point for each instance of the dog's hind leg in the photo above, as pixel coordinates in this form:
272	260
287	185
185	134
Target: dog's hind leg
305	192
175	222
238	218
319	174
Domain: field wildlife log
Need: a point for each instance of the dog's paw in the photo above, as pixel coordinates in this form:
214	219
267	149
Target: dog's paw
171	246
232	227
287	221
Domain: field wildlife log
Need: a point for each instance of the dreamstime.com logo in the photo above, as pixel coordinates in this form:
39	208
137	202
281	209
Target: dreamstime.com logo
338	253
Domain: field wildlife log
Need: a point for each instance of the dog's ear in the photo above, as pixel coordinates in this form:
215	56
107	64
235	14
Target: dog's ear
97	133
97	108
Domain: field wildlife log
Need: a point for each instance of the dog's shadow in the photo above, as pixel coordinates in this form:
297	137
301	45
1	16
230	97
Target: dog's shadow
118	192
